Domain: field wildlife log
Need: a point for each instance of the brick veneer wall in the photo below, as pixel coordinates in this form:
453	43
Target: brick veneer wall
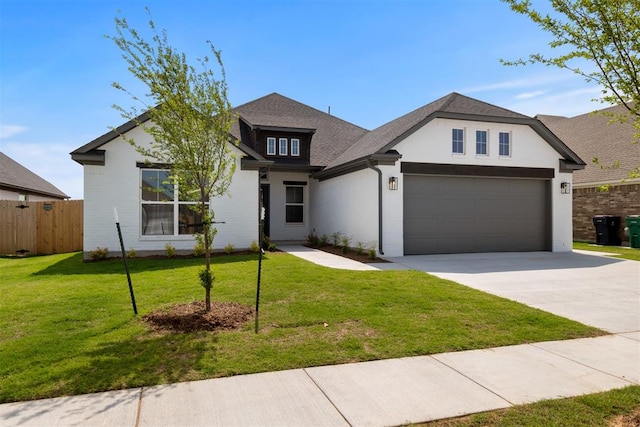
620	200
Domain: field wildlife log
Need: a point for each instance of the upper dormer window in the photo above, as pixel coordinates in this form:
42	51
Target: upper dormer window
282	146
295	147
271	146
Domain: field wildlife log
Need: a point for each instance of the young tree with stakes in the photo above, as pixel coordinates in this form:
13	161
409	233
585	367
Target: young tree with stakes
189	120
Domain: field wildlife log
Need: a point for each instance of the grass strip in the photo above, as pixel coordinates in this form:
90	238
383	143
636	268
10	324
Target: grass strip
615	408
632	254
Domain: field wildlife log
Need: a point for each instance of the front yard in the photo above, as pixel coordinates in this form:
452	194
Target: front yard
67	327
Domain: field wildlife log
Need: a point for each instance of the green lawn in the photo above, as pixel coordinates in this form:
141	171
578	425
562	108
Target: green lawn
67	327
619	251
615	408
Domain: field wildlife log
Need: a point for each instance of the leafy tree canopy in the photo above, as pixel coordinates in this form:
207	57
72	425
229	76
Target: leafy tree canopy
604	33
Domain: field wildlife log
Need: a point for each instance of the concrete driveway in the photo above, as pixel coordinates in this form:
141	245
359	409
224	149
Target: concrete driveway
584	286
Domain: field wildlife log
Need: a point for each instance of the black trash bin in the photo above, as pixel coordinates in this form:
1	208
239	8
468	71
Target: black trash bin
607	230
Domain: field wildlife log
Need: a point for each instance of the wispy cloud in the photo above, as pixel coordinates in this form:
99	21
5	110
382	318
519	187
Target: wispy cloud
528	95
7	131
528	82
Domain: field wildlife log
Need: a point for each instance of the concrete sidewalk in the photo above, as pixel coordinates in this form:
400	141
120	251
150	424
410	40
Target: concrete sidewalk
378	393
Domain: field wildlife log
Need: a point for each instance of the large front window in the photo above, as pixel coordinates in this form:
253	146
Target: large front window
162	211
295	205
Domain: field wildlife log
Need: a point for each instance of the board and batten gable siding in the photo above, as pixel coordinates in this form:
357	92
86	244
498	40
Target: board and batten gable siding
117	184
347	204
433	144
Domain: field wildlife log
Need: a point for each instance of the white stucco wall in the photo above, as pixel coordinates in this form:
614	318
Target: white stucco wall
432	144
117	184
347	204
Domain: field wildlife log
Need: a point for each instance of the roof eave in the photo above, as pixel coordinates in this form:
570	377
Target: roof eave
377	159
92	158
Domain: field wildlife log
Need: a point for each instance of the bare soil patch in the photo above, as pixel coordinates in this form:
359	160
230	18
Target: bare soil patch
631	420
191	317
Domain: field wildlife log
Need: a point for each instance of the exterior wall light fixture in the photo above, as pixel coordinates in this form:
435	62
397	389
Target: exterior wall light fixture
565	188
393	183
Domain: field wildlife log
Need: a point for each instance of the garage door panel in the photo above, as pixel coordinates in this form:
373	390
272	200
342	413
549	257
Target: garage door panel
474	214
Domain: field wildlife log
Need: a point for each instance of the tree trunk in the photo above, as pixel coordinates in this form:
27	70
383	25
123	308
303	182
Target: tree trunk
206	229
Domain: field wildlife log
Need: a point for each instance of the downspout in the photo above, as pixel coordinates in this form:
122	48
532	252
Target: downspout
370	166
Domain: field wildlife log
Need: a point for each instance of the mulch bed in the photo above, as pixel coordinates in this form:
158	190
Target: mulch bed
192	317
351	254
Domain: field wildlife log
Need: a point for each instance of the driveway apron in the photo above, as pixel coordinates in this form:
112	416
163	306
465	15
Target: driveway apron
584	286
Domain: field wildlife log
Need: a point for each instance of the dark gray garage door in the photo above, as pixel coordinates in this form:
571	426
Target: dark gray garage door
445	214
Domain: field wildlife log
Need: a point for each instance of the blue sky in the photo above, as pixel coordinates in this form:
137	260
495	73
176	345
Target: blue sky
370	61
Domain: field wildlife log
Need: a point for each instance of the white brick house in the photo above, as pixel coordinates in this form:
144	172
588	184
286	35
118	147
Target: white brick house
457	175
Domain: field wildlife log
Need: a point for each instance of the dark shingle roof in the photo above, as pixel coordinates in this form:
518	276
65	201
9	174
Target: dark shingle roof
16	177
332	135
453	105
591	135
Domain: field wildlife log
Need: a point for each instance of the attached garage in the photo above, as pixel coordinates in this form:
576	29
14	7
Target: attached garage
459	209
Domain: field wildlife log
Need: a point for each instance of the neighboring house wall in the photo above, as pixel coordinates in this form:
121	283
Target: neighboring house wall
117	184
617	200
432	144
20	195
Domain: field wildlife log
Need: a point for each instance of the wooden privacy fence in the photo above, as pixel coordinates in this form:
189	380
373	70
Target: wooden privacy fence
39	228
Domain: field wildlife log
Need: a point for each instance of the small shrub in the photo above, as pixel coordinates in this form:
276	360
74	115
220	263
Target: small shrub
337	238
99	253
360	248
229	249
170	250
313	239
268	245
344	242
132	253
198	248
372	249
255	247
323	241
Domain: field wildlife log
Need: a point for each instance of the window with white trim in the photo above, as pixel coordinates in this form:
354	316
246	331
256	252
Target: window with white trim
294	205
162	211
504	144
295	147
457	141
482	148
282	146
271	146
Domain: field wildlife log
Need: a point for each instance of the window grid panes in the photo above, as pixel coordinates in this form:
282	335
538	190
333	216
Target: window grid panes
161	212
271	146
457	141
481	142
294	205
504	144
282	144
295	147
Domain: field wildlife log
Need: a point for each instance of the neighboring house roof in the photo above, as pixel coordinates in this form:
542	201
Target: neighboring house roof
592	135
452	106
331	135
15	177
